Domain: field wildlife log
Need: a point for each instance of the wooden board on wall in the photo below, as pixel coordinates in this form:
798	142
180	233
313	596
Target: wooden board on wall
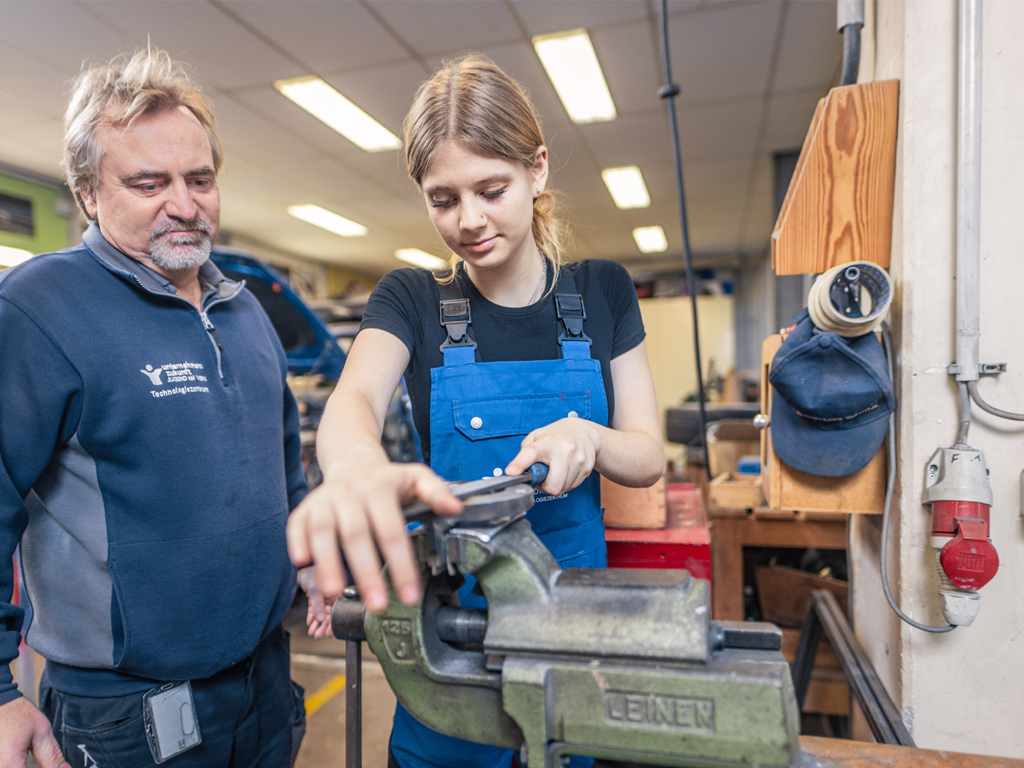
838	207
788	488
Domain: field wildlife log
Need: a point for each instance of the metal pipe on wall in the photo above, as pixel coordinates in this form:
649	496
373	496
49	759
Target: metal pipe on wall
968	193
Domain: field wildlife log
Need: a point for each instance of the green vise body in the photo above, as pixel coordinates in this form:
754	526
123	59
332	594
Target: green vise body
623	665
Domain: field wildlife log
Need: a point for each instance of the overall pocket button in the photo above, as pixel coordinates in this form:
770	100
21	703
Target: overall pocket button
476	422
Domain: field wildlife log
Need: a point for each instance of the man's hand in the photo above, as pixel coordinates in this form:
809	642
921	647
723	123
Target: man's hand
318	611
24	729
361	510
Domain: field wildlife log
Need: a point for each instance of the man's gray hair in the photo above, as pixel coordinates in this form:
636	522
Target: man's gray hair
115	94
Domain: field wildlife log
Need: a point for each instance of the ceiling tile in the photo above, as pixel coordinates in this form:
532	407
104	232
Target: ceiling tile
723	52
325	36
448	26
629	66
568	157
676	7
789	117
32	81
244	129
811	49
28	157
384	92
46	135
201	35
719	129
384	171
719	178
291	119
73	35
542	17
615	143
15	112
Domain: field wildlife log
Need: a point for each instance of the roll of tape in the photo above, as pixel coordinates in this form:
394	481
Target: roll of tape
851	299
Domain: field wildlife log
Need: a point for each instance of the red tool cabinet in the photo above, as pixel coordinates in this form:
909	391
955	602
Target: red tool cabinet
684	542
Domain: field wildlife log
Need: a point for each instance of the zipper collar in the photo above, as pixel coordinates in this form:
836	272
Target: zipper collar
215	286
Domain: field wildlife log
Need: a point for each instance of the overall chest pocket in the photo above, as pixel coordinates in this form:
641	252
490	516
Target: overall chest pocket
496	417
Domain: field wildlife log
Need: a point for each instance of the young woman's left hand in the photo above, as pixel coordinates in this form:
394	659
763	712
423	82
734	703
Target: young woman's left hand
568	446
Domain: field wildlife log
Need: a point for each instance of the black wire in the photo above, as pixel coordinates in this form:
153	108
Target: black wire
851	53
669	91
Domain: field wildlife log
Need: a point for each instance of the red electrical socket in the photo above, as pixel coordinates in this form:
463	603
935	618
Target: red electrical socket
969	559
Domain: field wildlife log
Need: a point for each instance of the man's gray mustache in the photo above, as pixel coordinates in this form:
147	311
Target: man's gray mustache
199	225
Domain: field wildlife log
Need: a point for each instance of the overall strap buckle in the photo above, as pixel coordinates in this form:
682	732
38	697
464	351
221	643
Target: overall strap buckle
571	313
456	319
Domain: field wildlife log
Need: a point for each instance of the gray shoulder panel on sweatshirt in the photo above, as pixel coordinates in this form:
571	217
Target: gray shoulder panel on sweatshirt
64	562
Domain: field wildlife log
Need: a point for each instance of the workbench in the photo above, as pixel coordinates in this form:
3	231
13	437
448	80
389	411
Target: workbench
862	754
731	531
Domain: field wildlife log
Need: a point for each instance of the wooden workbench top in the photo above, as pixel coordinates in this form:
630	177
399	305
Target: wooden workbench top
861	754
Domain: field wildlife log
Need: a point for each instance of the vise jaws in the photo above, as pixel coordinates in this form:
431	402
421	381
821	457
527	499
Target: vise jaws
620	665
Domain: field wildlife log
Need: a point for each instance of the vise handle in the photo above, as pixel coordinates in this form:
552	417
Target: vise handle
535	475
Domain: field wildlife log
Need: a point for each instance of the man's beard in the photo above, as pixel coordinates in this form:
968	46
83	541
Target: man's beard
180	245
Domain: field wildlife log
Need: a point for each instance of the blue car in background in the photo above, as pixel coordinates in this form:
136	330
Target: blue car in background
308	344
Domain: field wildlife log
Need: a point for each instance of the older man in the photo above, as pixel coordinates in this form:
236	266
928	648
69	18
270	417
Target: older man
149	456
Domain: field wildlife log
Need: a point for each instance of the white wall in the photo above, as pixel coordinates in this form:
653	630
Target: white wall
669	326
964	690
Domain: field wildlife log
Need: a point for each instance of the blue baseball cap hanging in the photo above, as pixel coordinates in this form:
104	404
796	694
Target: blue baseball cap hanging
833	397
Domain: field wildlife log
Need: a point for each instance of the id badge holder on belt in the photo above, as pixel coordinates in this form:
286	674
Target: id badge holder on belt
170	716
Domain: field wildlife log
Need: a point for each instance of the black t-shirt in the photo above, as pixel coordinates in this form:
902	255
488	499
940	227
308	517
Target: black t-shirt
405	303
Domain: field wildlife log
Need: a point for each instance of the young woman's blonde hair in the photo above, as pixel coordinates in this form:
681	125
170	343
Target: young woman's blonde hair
117	93
470	99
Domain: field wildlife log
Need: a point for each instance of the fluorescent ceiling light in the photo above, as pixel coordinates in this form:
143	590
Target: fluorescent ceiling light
650	239
326	104
332	222
419	258
572	65
626	186
9	257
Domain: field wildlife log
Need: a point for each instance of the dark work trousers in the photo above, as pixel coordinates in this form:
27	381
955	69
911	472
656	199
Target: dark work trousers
250	715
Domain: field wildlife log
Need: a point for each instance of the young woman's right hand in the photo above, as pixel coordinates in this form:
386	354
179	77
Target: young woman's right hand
360	508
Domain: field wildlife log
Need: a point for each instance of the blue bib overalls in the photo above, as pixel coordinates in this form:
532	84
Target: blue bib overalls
479	415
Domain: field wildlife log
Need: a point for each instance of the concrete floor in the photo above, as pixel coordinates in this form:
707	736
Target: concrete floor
317	666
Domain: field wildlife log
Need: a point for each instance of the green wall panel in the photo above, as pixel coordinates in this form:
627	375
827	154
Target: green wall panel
51	230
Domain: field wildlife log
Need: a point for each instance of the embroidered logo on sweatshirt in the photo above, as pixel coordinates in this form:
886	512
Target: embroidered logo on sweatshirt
189	377
154	376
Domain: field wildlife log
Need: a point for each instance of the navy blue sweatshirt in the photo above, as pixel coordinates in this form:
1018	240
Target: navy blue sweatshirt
149	456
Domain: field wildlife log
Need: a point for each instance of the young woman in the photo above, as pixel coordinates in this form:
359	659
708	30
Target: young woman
522	386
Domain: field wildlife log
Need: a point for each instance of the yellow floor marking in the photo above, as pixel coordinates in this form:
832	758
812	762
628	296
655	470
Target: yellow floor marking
328	691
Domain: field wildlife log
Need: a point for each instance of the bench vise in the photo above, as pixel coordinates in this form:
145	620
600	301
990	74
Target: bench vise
620	665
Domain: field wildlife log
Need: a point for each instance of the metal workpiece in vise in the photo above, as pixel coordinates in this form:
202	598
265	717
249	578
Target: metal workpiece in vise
621	665
959	492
